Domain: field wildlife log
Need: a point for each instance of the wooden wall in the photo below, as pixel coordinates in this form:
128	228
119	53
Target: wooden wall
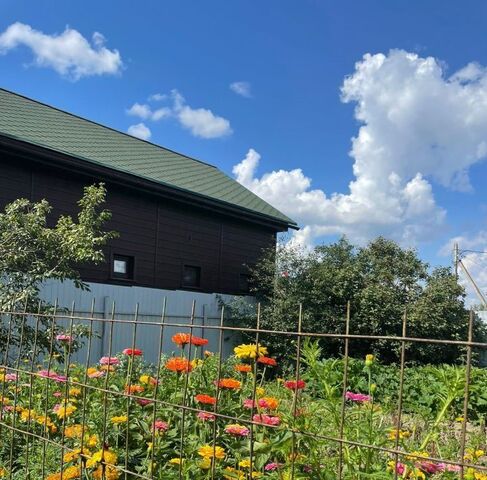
162	235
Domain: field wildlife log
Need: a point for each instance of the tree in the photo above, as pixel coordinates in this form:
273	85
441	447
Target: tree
382	281
32	252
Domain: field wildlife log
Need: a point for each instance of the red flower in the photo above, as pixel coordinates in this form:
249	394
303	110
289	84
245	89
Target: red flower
267	361
181	339
207	399
198	341
243	368
293	385
132	352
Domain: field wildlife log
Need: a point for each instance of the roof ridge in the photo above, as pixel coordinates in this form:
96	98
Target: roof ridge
107	127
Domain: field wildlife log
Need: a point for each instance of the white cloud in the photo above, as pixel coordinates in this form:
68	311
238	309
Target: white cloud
241	88
145	112
157	97
140	131
417	126
201	122
68	53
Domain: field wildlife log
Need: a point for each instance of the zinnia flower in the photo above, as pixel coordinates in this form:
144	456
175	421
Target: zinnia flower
94	373
109	361
237	430
293	385
268	361
270	467
243	368
250	351
160	426
198	341
206	399
181	339
119	419
207	451
64	338
357	397
132	352
205	416
249	403
270	403
11	377
229	383
130	389
52	375
266	419
178	364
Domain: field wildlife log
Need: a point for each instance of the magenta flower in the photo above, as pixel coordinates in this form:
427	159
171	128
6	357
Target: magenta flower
62	337
11	377
109	361
51	375
205	416
249	403
266	419
357	397
270	467
144	401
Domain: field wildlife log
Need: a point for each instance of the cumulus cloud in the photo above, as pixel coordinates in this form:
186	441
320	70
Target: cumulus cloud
241	88
418	126
201	122
69	53
140	131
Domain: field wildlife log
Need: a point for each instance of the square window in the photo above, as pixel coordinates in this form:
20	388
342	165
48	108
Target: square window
123	267
191	276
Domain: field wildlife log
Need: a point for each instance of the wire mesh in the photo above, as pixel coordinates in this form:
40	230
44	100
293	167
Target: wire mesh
191	413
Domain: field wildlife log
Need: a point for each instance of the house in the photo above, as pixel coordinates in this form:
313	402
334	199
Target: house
184	226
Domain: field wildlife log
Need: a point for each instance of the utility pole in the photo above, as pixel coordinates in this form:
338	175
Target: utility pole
474	284
456	258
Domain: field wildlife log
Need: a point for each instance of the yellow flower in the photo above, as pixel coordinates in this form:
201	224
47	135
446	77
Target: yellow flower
402	434
107	456
120	419
175	461
74	392
69	473
65	411
369	360
197	362
3	472
147	380
207	451
73	431
92	441
259	391
111	473
244	463
250	351
205	464
75	454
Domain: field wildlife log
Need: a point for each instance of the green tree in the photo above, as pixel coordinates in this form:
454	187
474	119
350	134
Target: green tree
382	281
32	252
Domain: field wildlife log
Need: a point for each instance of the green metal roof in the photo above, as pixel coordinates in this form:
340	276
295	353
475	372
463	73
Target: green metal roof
42	125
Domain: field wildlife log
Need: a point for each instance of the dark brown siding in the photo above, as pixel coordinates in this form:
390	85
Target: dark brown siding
161	235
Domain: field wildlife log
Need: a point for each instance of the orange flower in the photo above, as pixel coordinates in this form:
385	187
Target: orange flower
178	364
268	361
181	339
230	383
134	389
270	403
243	368
202	398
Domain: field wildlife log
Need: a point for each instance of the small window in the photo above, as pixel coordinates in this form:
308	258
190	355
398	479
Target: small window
243	283
123	267
191	276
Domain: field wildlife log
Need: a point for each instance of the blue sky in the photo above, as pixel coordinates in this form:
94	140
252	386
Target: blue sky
419	169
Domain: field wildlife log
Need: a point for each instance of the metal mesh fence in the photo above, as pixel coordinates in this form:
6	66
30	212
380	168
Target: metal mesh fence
191	413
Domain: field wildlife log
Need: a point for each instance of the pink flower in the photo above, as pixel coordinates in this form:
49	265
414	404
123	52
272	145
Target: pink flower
144	401
237	430
160	426
357	397
430	467
109	361
62	337
11	377
442	467
266	419
56	407
270	467
205	416
57	394
249	403
51	375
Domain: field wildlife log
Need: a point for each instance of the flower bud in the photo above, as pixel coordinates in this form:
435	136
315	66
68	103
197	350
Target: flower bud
369	360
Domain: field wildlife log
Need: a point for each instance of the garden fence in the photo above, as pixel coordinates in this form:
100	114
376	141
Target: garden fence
182	417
